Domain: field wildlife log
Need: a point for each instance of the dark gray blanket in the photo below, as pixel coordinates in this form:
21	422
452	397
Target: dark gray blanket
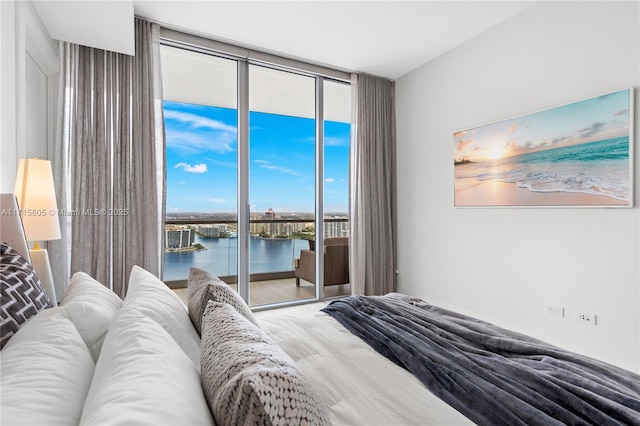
491	375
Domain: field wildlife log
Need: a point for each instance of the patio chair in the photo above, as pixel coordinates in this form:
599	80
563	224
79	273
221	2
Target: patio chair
336	263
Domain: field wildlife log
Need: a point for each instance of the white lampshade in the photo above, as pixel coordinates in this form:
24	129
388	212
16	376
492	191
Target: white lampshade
37	200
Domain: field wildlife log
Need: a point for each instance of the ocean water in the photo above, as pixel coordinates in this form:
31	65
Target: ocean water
598	168
221	257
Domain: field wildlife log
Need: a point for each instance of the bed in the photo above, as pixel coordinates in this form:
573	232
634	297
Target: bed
492	375
149	359
357	385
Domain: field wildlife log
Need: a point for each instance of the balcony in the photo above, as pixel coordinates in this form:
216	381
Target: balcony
274	246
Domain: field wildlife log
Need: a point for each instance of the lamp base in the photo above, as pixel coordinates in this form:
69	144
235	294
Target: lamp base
40	262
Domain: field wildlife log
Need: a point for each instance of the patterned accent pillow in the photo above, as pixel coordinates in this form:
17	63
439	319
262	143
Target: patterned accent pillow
202	287
22	292
248	379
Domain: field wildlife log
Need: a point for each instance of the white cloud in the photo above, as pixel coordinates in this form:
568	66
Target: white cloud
336	141
329	180
267	165
194	133
193	142
196	168
198	121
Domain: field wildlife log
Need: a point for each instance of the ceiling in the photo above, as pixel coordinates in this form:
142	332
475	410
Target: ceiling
384	38
104	25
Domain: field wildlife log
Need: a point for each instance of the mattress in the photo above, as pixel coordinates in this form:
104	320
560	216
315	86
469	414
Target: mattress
357	385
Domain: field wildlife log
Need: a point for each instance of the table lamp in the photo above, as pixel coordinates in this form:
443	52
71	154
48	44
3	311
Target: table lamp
39	211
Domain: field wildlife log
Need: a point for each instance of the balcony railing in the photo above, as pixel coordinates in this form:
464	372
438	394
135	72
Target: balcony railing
273	247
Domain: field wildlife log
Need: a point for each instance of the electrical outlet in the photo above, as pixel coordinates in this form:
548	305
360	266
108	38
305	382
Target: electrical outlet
586	318
555	311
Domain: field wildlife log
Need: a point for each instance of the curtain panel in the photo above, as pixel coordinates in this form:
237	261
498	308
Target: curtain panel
372	177
109	161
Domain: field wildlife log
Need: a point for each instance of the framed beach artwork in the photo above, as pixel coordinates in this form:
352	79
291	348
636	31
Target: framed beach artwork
575	155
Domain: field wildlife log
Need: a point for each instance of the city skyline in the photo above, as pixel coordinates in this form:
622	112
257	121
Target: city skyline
202	161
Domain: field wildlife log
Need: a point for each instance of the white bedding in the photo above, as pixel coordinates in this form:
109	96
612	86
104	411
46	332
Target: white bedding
156	385
147	368
358	385
46	372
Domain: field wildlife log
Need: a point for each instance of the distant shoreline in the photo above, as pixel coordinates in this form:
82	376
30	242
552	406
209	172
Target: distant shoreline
195	247
470	192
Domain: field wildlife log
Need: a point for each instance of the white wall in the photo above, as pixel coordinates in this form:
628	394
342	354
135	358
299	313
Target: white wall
8	144
28	86
505	265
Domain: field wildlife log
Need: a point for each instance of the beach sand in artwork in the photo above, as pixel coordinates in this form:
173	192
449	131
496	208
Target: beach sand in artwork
473	192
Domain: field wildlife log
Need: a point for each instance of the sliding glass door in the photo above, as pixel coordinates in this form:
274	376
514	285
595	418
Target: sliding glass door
201	122
282	150
246	182
336	146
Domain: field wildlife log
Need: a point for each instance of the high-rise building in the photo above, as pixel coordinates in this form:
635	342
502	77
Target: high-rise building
336	229
177	237
212	231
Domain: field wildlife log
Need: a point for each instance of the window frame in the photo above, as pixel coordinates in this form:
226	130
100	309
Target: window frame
244	58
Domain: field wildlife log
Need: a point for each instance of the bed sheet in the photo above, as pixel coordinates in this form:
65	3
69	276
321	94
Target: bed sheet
358	385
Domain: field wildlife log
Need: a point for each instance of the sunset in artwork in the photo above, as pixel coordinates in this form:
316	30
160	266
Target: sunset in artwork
575	154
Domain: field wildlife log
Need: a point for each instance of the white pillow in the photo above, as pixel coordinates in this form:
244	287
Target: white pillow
144	377
46	372
91	307
151	297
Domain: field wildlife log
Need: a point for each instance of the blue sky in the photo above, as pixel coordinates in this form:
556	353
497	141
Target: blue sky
202	161
595	119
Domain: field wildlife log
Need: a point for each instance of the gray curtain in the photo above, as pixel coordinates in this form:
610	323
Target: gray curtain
372	204
109	162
